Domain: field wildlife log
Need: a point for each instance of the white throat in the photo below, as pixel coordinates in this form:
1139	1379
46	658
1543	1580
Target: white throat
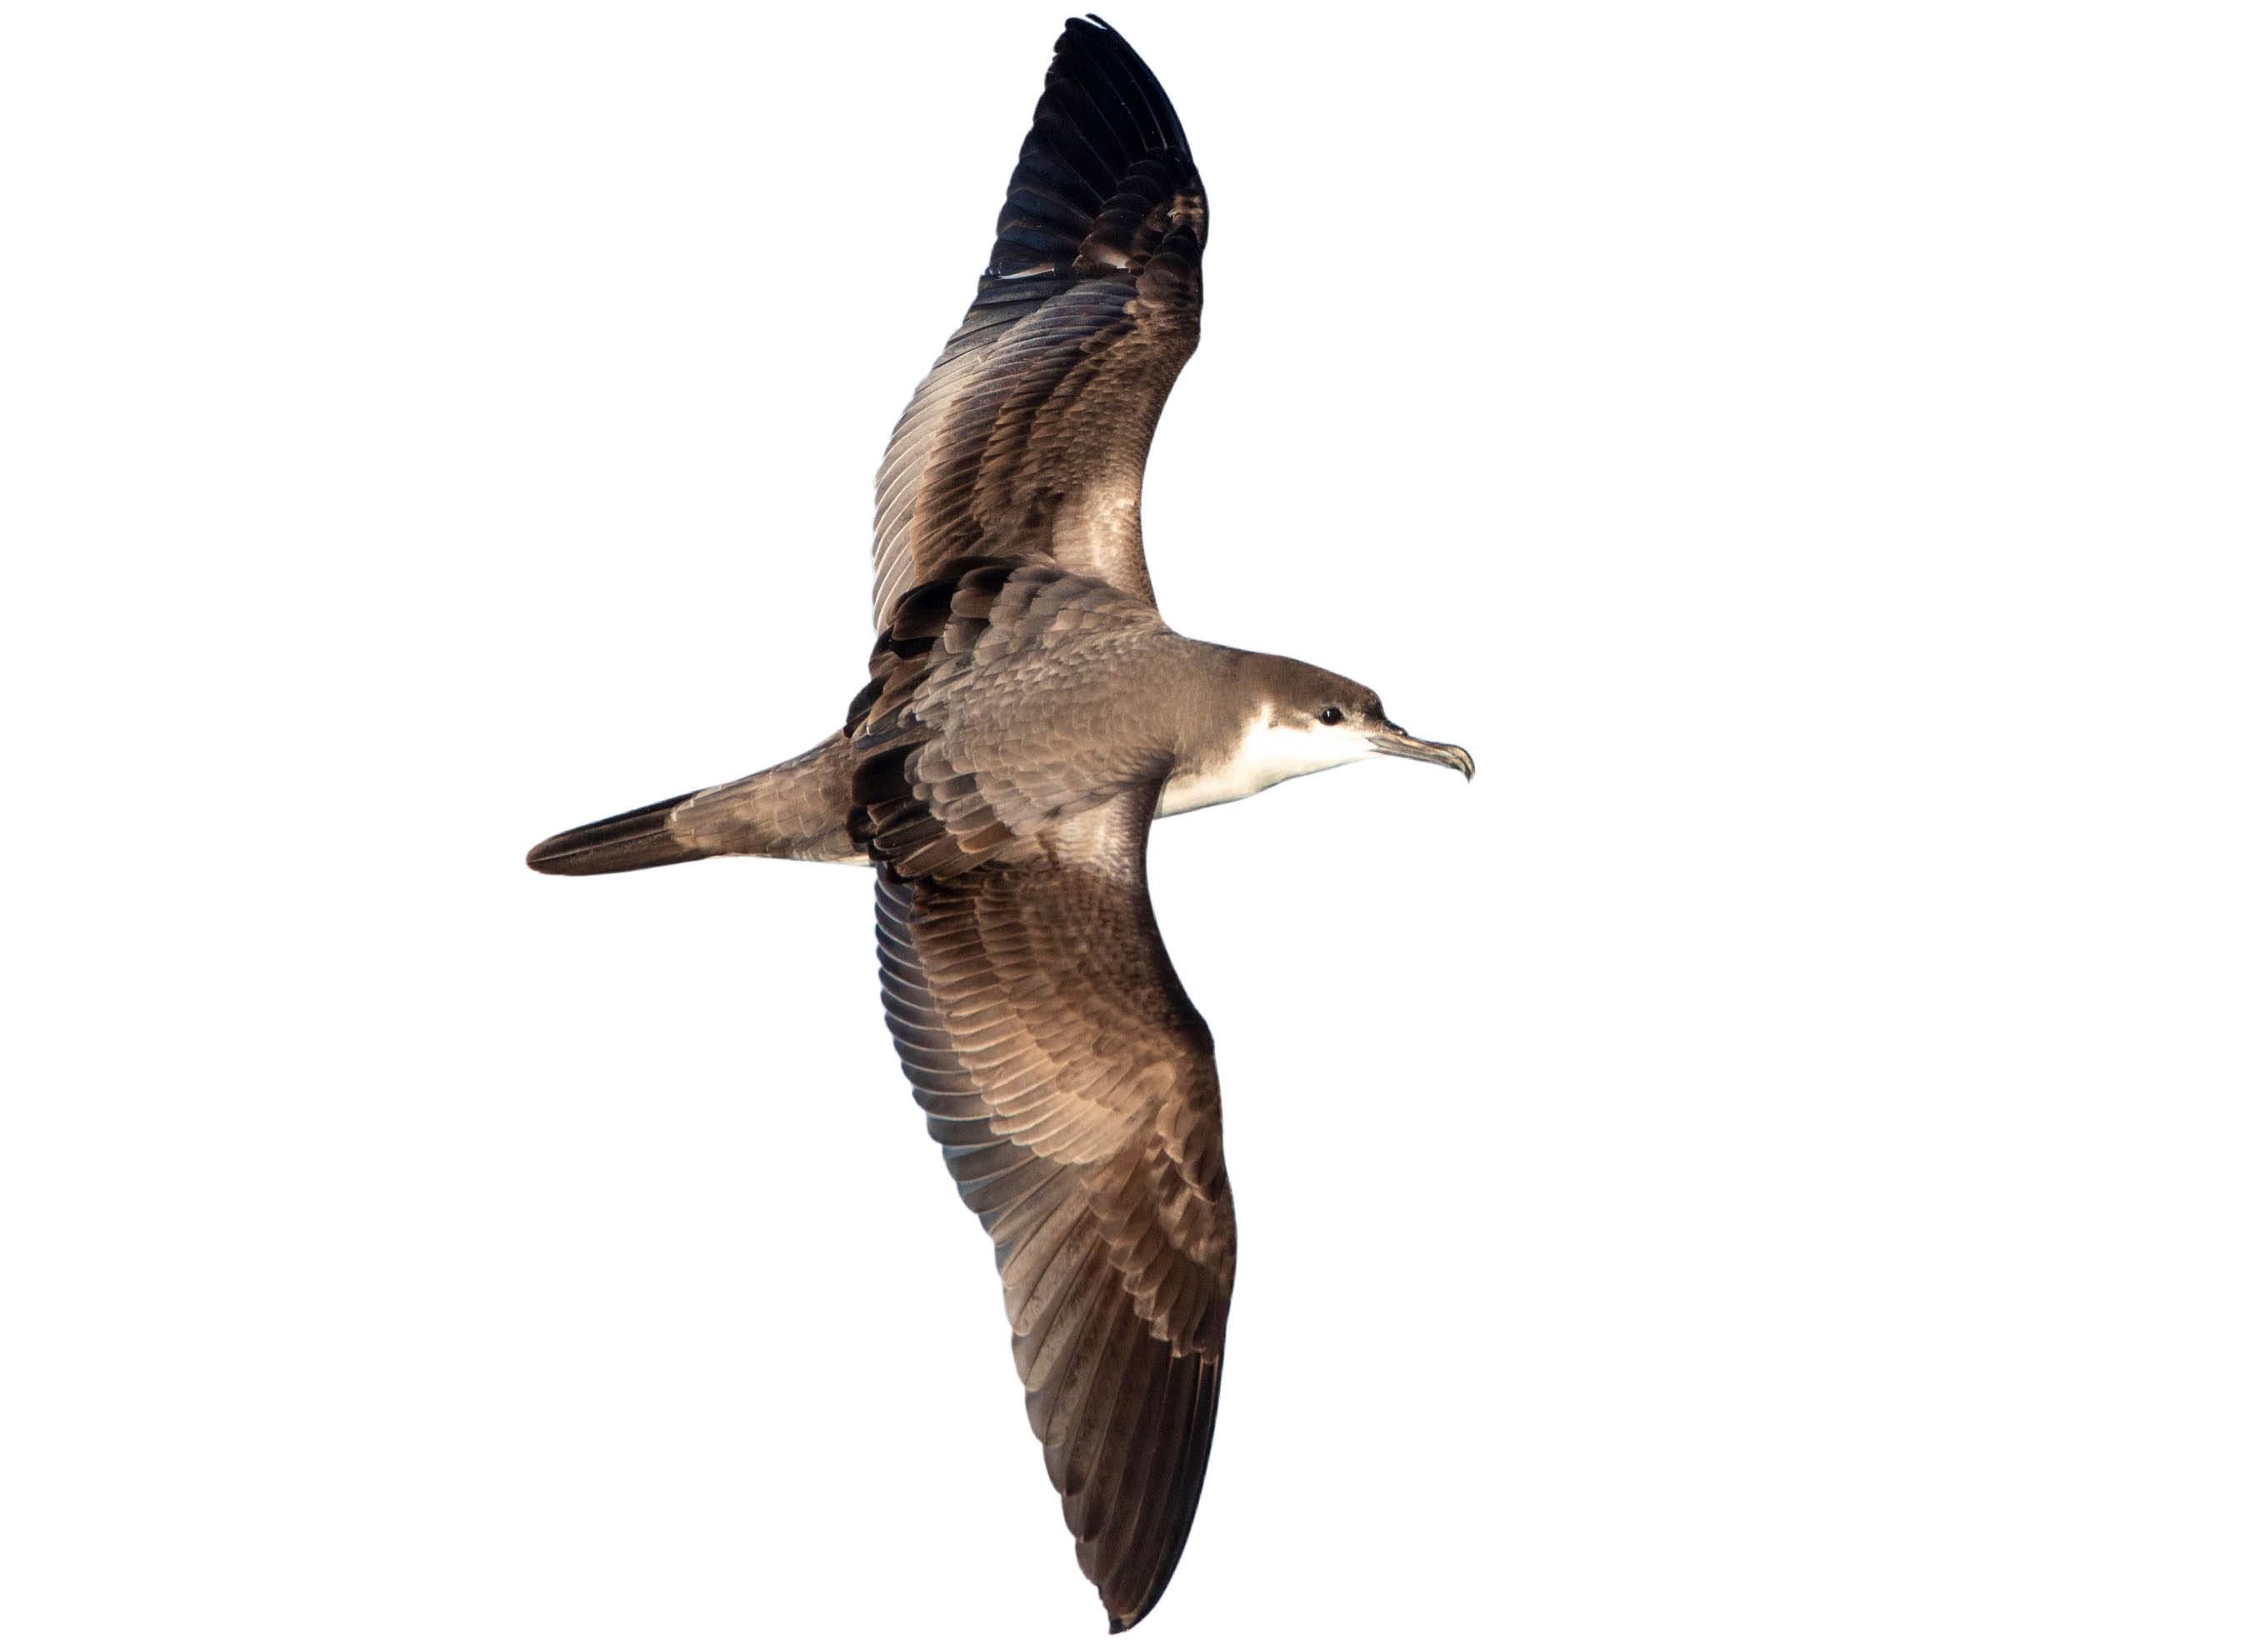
1267	753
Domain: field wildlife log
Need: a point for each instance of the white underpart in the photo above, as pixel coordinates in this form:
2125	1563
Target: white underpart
1268	753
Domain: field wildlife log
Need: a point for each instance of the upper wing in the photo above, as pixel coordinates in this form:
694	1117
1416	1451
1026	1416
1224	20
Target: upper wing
1028	438
1073	1087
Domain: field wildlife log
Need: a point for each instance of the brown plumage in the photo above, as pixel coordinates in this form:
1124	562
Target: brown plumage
1073	1087
1026	716
1029	435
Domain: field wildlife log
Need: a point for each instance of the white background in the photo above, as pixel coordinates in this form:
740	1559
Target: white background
1772	1164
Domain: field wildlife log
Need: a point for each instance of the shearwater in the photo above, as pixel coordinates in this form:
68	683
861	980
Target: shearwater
1028	716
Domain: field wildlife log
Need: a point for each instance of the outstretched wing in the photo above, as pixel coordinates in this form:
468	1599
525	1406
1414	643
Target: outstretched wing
1073	1087
1028	438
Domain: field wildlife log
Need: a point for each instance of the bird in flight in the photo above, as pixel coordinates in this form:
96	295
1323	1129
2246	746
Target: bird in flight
1028	716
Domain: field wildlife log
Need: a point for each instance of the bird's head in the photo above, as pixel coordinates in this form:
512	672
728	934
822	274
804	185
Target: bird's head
1332	716
1291	719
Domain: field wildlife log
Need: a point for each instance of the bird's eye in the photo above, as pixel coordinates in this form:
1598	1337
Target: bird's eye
1331	715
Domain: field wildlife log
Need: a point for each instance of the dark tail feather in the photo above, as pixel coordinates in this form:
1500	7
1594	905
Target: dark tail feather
641	837
795	811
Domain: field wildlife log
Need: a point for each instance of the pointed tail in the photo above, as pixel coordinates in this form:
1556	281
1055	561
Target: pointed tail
795	811
641	837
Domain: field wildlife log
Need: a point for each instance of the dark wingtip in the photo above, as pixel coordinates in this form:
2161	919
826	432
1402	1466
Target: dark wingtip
1118	1621
1105	157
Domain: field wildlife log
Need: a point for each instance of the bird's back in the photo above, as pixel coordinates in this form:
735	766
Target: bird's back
1004	695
